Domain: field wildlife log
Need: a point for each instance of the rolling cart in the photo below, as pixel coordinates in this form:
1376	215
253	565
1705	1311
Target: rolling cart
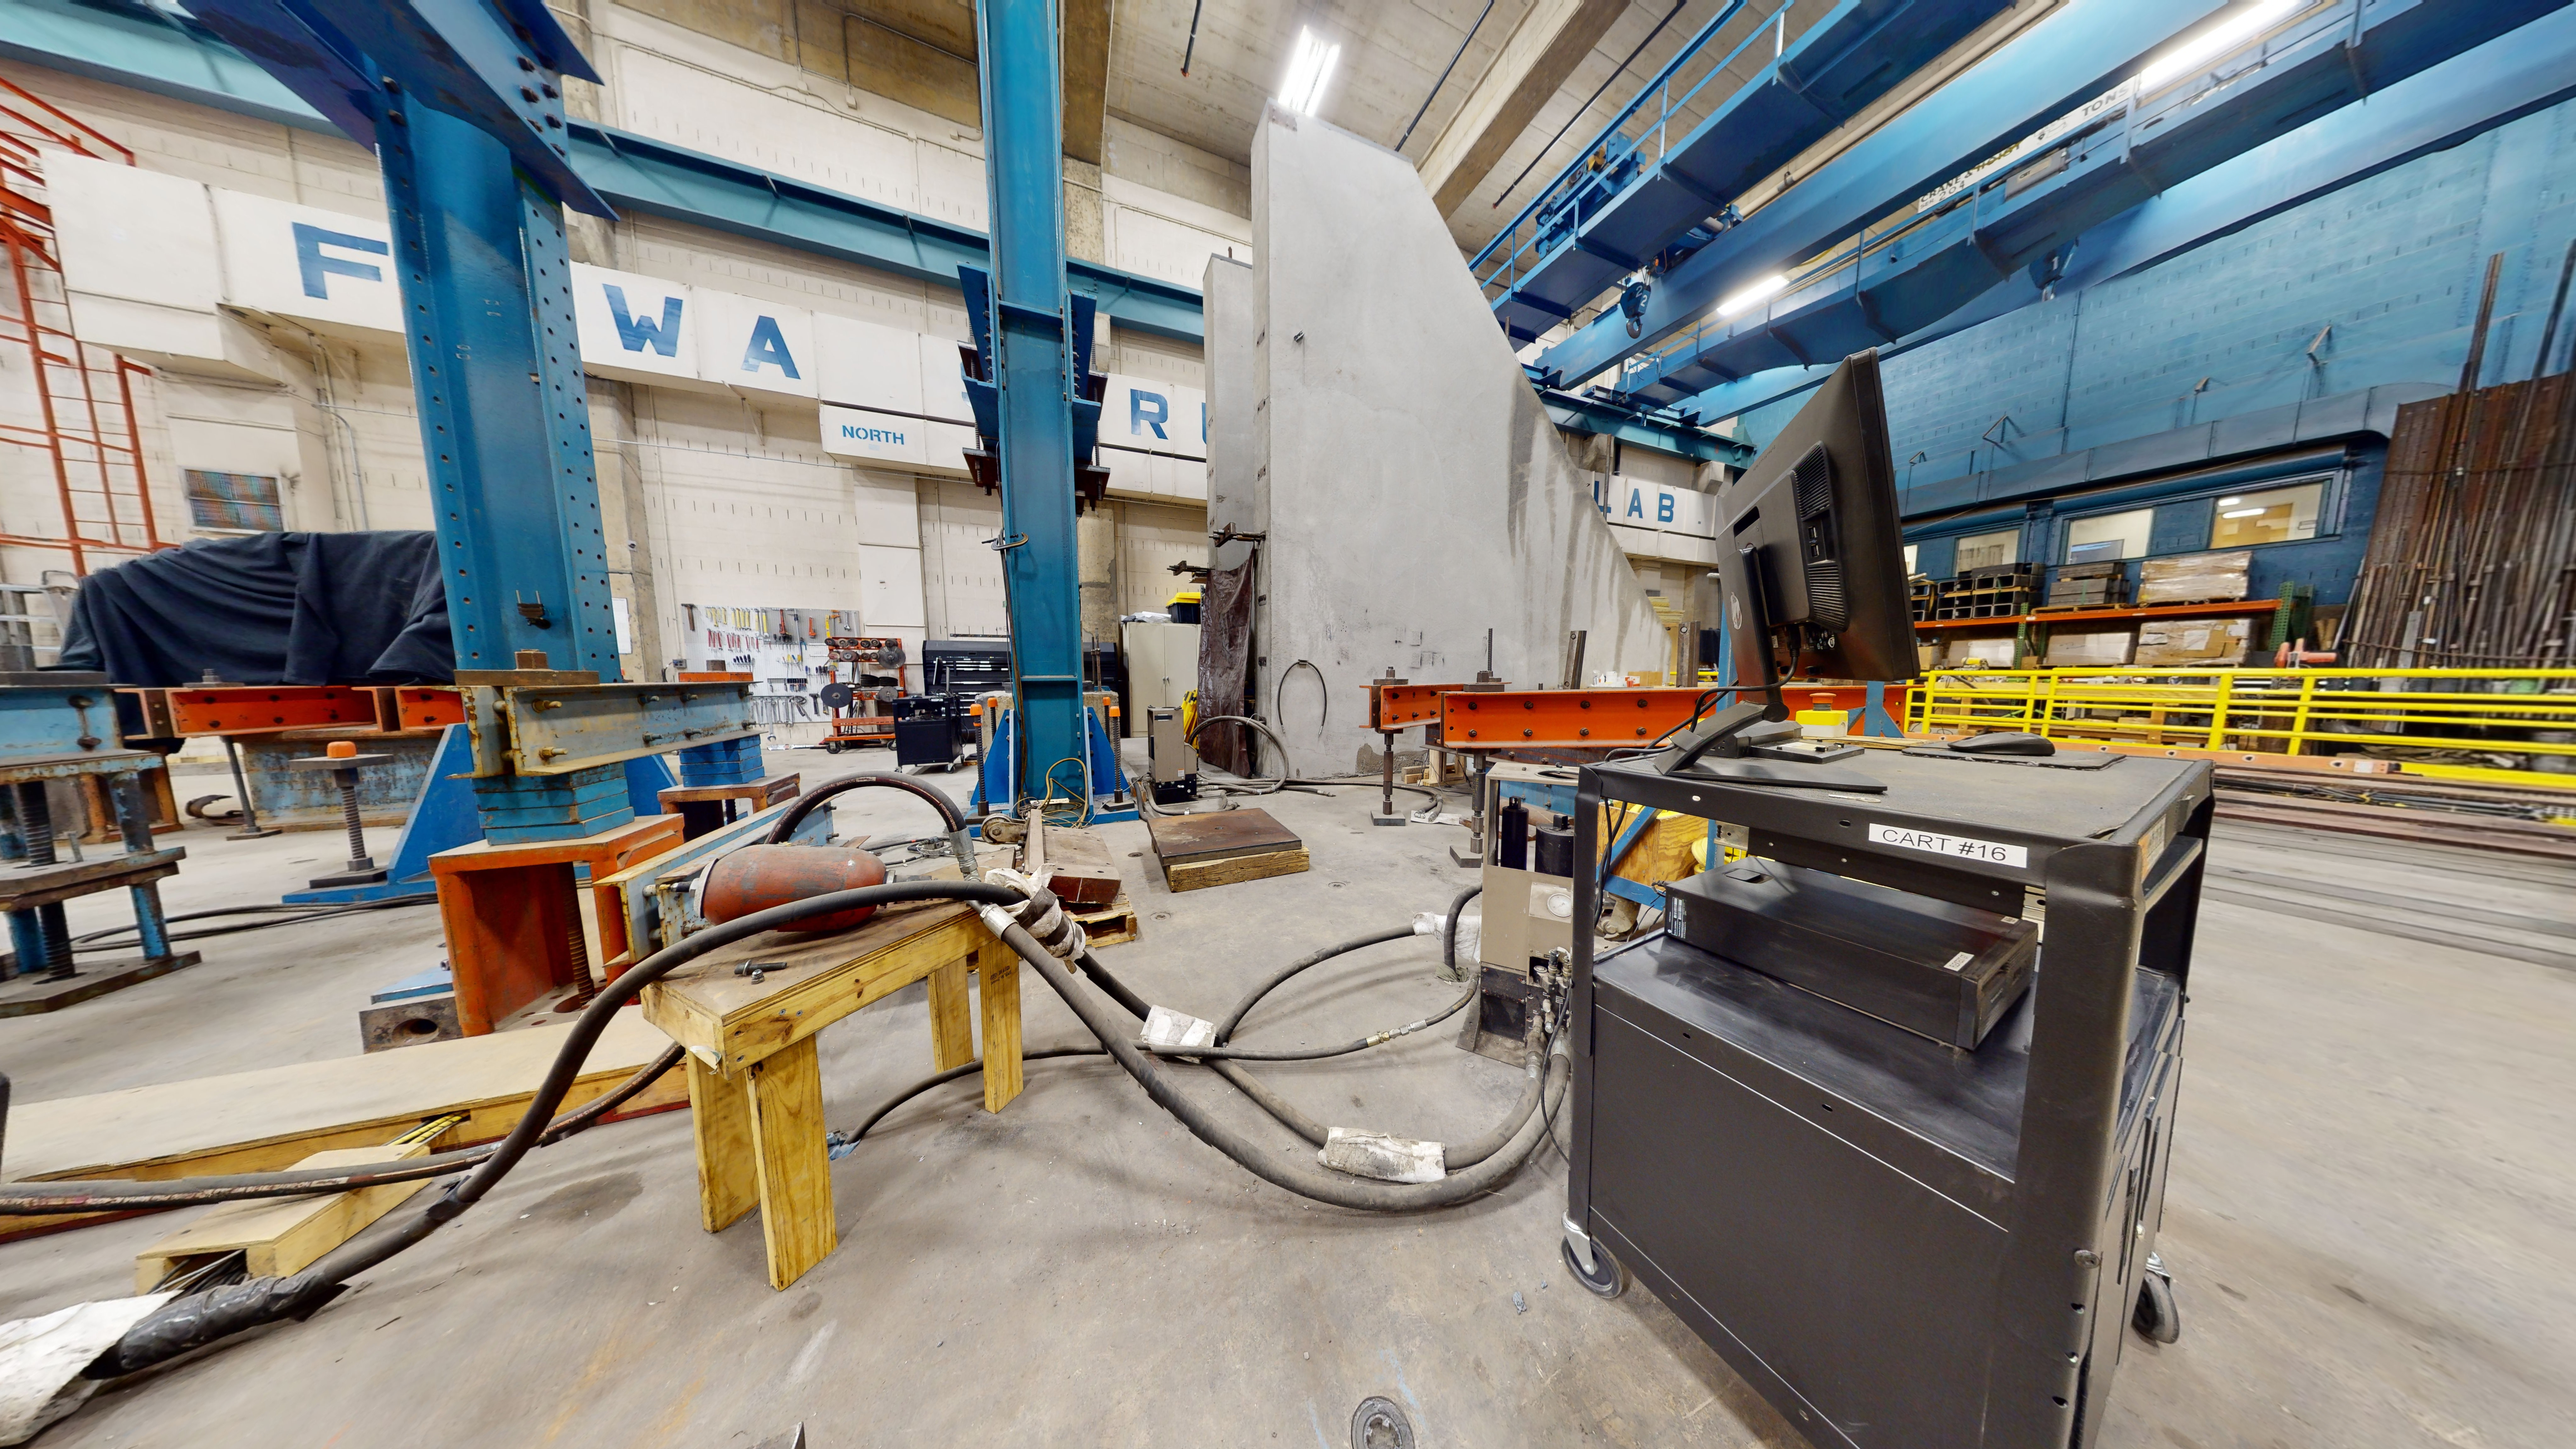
1897	1241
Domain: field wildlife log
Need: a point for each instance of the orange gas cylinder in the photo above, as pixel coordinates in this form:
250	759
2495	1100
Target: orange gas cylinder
757	877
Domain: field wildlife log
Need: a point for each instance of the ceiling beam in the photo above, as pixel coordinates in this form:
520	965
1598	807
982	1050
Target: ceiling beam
1542	51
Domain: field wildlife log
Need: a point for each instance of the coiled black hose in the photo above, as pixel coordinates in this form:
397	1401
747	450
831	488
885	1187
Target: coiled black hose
208	1316
785	829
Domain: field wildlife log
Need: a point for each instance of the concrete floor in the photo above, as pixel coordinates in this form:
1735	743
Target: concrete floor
2369	1213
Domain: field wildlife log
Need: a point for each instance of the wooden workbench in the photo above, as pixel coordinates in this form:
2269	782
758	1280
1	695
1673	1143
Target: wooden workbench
755	1085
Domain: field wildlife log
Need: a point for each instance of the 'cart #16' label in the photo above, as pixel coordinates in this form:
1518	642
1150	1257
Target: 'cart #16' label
1992	852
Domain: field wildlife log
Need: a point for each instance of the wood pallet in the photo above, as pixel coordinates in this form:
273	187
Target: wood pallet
1111	925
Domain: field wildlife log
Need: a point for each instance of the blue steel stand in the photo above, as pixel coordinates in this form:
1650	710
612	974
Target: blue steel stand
1036	392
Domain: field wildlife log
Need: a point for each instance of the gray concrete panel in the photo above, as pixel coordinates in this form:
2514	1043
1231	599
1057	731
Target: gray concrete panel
1418	495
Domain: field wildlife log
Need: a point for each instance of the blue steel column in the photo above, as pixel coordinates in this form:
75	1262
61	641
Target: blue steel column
1024	173
504	417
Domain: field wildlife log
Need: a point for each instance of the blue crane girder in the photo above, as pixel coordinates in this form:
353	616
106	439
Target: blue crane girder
2527	70
1024	338
1857	53
2047	70
1908	278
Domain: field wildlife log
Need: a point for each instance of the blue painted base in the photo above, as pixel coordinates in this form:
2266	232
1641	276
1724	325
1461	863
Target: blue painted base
516	809
1108	779
726	762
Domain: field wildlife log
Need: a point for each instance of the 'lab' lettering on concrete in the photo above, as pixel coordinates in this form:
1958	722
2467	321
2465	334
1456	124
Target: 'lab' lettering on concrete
1959	847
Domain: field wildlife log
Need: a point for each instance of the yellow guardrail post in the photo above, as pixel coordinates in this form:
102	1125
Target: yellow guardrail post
2218	710
2299	716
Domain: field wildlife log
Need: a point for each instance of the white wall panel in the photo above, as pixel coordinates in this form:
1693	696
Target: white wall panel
633	327
323	268
755	346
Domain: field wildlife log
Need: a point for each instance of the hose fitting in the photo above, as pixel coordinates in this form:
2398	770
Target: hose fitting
1041	915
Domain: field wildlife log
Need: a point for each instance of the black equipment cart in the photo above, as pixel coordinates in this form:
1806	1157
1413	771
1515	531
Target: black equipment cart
1896	1241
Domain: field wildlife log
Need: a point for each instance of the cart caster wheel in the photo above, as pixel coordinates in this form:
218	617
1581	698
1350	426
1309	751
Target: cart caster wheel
831	747
1606	1281
2156	1318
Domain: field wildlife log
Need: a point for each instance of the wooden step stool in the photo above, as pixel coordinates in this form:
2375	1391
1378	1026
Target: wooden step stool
755	1087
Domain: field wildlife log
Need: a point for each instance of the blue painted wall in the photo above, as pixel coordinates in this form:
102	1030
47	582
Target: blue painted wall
2392	263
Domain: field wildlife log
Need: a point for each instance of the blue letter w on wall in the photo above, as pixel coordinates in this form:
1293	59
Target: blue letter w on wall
638	333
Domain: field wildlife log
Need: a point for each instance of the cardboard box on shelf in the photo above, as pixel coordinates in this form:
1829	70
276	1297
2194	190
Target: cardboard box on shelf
2182	643
1992	653
2195	578
2104	647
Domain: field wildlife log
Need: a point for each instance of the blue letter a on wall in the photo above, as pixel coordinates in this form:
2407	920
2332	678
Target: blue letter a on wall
768	349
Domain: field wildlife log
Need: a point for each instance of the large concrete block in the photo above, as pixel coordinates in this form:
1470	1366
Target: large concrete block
1415	493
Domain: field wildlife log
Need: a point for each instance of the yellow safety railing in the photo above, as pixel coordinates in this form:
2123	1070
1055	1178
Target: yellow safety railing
2526	712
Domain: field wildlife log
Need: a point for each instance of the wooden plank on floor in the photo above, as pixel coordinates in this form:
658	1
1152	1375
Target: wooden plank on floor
282	1235
1079	869
273	1118
1234	870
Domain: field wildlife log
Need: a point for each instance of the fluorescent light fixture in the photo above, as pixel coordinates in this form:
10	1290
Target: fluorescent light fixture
1760	292
2241	25
1310	69
2230	502
2246	513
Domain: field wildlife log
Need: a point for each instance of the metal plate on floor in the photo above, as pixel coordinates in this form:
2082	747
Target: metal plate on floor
1189	839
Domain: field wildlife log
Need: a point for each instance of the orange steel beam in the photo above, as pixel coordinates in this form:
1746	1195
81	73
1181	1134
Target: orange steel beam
266	709
424	707
1402	706
1514	719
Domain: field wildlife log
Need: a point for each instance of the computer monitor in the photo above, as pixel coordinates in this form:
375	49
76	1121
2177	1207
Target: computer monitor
1811	572
1810	560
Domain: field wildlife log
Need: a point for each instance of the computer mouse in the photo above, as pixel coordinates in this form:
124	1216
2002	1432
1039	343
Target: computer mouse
2004	742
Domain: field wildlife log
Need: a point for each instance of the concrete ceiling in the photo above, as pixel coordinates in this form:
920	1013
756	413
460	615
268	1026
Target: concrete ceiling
1392	53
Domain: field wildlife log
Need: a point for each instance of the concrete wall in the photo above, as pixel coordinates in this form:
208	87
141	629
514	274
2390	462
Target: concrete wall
1418	495
720	500
1232	303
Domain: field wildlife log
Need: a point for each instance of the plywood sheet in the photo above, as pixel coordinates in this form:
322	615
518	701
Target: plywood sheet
271	1119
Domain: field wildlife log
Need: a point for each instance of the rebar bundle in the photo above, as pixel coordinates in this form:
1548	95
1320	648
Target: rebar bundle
2472	559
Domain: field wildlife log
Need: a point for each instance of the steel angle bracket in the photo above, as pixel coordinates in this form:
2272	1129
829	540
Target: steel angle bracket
498	65
557	729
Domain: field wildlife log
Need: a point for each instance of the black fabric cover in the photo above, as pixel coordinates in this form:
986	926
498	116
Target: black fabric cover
270	608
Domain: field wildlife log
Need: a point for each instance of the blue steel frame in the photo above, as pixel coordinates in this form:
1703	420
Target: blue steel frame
1032	367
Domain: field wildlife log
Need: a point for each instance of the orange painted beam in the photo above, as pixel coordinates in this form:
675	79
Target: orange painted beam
266	709
1561	718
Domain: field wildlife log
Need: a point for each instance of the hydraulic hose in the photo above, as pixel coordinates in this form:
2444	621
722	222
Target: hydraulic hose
1454	1155
34	1199
205	1317
939	1079
200	1318
1291	1171
1449	932
1314	1054
950	816
1234	1018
